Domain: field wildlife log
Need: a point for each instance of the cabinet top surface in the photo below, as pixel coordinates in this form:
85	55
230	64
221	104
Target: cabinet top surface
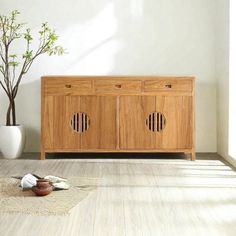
108	77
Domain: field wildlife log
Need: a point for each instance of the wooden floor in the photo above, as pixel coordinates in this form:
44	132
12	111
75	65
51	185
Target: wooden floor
166	196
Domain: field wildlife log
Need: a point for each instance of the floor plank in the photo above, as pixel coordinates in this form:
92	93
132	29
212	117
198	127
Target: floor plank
168	195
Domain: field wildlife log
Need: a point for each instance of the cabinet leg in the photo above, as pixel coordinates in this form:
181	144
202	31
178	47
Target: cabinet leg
193	156
42	155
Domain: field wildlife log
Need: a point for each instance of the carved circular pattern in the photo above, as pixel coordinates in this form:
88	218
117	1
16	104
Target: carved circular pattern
156	121
80	122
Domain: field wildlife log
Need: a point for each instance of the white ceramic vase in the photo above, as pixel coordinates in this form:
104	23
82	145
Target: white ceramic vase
12	141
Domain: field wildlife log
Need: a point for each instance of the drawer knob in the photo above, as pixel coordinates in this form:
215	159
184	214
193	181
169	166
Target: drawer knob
68	85
168	85
118	86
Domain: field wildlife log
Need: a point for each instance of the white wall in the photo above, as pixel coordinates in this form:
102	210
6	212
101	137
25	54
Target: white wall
155	37
232	81
222	75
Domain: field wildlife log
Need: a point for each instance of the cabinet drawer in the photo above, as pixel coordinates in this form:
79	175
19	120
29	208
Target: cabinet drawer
67	87
117	86
168	85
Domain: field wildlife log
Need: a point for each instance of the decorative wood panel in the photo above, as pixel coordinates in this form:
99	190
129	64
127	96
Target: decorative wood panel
177	112
102	129
64	107
169	85
80	122
47	123
67	87
117	86
133	131
156	121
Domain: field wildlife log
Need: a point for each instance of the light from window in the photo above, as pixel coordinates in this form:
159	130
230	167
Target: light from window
232	81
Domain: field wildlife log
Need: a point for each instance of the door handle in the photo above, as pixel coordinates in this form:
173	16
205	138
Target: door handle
118	86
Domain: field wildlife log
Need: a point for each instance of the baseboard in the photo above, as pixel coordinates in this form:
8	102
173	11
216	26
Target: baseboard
231	160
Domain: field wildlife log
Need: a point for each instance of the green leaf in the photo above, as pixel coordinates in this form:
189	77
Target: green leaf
13	56
57	50
13	63
28	36
14	13
53	37
28	54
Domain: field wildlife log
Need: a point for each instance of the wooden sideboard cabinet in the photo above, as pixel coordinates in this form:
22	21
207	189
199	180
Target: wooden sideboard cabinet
118	114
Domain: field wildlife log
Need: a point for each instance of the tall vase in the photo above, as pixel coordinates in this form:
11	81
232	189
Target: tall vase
12	141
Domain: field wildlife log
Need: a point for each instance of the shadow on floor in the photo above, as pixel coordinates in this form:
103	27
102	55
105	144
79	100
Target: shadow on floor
200	156
117	156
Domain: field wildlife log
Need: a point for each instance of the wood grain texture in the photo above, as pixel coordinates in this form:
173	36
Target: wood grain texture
93	150
48	122
133	131
168	84
118	107
44	118
193	124
64	107
117	86
102	131
178	130
135	197
67	87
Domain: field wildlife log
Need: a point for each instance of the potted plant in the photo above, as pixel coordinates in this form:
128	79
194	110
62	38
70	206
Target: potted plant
13	68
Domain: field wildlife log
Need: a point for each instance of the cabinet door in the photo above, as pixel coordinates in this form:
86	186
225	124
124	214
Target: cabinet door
79	122
58	128
155	122
134	133
102	114
177	132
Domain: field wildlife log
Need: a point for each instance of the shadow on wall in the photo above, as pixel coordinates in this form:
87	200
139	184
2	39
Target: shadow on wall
27	111
57	13
140	37
124	37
